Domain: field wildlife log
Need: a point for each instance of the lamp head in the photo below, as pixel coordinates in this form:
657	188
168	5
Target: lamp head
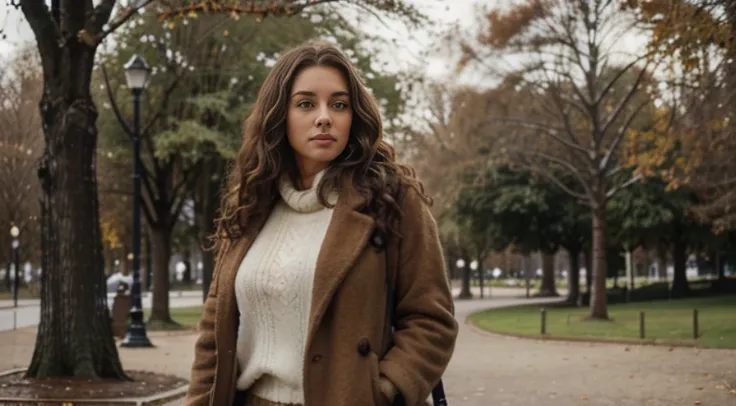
137	72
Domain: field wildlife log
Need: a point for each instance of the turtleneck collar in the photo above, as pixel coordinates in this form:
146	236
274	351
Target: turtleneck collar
304	201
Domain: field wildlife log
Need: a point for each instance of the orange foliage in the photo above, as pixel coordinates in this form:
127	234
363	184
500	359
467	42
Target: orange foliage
261	9
682	29
503	27
674	154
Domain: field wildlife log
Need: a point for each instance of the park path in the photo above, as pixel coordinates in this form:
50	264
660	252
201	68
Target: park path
493	370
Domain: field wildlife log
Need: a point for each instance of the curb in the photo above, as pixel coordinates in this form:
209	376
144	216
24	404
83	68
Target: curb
12	371
13	307
156	399
641	342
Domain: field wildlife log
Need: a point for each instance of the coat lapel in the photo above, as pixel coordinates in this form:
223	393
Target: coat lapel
345	239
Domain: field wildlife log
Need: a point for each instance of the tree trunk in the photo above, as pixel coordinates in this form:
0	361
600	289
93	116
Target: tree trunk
207	201
720	266
7	276
680	286
161	255
75	335
125	261
573	278
149	260
598	300
662	261
465	292
187	260
588	256
107	259
548	288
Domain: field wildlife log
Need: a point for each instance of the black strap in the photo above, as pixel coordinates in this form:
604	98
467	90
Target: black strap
438	393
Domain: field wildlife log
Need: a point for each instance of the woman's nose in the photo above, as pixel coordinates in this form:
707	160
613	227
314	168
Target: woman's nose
324	118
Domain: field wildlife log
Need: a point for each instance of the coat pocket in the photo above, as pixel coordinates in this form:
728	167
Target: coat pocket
379	399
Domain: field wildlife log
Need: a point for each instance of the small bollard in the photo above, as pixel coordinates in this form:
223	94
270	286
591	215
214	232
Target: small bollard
696	332
543	317
15	319
641	325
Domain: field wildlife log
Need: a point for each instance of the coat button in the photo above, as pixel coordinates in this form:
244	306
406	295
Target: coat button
364	347
316	358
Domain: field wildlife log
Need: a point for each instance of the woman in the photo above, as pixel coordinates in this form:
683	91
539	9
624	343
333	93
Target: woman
317	218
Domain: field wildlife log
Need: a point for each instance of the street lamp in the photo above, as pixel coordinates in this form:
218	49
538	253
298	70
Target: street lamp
136	74
15	233
460	263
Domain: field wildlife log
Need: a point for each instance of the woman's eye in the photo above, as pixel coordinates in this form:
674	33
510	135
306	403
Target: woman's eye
340	105
304	104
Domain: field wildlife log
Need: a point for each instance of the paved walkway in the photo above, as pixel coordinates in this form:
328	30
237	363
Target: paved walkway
28	312
491	370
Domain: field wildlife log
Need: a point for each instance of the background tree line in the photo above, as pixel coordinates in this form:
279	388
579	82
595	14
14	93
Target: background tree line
570	144
578	144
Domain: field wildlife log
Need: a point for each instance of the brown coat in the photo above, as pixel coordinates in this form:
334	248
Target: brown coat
341	365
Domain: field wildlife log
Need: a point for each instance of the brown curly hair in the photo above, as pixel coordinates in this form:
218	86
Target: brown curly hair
368	161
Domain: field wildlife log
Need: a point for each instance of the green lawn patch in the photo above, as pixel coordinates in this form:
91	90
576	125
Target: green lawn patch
669	321
23	293
186	317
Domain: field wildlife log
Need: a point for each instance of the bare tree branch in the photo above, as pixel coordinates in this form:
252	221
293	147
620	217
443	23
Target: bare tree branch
100	16
546	129
620	73
114	104
149	210
624	101
564	164
611	192
545	172
45	29
93	32
620	134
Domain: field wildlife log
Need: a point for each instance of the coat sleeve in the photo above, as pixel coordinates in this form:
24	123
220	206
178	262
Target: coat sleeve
426	329
205	351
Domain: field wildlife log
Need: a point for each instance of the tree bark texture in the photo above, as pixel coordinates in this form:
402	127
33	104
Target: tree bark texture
680	286
206	207
598	300
588	256
548	288
125	263
720	266
7	276
465	292
573	278
74	335
161	255
662	261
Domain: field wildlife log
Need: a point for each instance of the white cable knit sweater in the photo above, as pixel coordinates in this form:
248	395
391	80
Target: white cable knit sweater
273	289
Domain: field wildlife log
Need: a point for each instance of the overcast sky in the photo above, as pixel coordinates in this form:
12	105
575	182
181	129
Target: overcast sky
405	51
409	45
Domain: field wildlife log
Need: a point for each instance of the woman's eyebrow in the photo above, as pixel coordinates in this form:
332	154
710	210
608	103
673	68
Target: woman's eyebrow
313	94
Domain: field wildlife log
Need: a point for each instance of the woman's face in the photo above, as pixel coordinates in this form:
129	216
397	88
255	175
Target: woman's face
318	118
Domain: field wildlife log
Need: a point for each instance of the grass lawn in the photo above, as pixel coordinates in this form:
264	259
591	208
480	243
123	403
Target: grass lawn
188	317
665	321
23	293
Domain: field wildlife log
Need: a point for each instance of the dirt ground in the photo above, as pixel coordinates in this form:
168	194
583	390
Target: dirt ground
493	370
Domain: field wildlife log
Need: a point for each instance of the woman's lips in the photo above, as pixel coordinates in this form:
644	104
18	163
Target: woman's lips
323	139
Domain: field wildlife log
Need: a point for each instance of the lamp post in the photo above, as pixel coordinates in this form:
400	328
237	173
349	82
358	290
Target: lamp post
136	74
15	233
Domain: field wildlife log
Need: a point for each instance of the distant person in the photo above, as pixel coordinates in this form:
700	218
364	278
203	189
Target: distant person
297	307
